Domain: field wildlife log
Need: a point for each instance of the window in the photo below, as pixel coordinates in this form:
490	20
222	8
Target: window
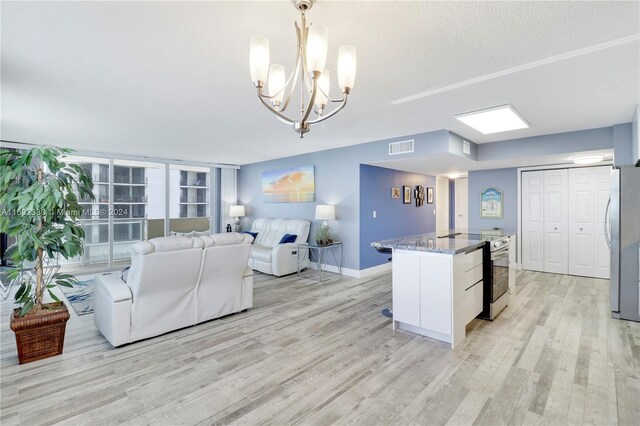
189	202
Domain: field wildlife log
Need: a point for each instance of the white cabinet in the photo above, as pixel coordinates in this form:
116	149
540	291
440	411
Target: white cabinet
436	294
406	288
563	221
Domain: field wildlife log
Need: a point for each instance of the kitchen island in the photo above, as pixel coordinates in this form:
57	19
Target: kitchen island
438	282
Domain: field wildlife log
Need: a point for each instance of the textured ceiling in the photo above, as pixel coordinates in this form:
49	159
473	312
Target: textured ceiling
171	79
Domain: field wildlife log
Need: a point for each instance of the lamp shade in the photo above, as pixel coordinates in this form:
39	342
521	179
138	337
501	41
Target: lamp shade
323	89
317	47
276	83
259	58
325	212
236	211
346	67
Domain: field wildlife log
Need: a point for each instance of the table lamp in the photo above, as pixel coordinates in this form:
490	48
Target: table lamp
237	212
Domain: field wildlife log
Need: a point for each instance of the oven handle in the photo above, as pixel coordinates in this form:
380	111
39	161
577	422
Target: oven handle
499	251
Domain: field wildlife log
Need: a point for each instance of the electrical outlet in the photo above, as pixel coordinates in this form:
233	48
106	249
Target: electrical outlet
375	214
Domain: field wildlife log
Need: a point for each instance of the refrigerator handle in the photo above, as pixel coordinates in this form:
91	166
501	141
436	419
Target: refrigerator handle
607	237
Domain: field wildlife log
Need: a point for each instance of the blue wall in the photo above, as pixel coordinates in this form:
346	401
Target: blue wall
337	181
503	179
394	219
558	143
622	144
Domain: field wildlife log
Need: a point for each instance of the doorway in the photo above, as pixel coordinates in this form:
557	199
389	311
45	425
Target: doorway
461	204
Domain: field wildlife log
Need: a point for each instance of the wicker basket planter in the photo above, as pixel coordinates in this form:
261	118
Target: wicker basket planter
39	336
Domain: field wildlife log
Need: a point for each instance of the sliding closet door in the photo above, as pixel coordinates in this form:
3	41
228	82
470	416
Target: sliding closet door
582	222
532	221
556	205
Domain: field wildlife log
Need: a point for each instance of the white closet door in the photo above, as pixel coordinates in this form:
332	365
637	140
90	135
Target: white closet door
603	192
462	201
532	221
582	222
556	205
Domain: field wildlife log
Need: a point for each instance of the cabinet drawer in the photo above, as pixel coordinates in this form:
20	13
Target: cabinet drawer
473	301
472	276
469	261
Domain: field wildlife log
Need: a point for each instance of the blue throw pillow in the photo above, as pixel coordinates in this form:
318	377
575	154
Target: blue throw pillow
288	238
253	234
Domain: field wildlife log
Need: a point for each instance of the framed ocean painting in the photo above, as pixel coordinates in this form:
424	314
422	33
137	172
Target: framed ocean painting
294	185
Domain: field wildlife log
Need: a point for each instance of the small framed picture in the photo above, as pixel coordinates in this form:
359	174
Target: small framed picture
407	194
429	195
395	192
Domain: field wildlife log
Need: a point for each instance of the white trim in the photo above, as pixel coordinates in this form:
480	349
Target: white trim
355	273
528	66
117	156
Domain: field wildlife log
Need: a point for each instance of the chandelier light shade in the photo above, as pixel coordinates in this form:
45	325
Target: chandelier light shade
276	84
309	71
259	60
346	67
317	47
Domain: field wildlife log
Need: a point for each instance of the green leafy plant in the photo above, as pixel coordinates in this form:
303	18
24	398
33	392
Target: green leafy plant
323	235
39	198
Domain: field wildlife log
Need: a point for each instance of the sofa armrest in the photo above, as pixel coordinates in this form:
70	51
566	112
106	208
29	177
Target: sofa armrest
114	287
112	308
247	289
284	259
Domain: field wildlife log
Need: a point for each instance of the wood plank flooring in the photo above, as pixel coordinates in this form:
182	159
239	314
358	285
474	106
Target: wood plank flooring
311	353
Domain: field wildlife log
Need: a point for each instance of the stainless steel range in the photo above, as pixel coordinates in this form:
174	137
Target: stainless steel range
496	277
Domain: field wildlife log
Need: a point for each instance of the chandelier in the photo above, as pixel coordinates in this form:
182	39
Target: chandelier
310	61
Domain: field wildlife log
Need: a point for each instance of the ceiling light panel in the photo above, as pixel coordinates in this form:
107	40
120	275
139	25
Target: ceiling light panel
494	120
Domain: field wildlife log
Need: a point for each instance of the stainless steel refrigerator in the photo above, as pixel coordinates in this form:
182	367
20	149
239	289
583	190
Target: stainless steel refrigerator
623	236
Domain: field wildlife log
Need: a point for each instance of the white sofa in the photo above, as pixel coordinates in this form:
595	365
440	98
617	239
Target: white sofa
174	282
270	257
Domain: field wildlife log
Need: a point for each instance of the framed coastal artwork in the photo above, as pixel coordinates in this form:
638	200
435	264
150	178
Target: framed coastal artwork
429	195
293	185
395	192
491	203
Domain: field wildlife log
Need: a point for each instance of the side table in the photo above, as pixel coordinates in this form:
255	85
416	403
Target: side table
321	255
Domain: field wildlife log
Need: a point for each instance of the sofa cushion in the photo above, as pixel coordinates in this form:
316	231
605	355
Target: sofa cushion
261	253
174	243
288	238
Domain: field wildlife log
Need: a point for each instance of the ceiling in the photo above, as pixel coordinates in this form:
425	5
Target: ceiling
171	79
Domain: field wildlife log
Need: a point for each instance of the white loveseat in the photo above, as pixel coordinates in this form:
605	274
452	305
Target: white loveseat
270	257
174	282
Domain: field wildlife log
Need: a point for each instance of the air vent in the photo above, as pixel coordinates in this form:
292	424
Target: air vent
402	147
466	147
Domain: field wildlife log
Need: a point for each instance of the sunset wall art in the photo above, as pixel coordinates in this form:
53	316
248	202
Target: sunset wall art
294	185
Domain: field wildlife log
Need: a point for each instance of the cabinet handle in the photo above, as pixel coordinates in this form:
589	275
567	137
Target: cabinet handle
555	229
581	229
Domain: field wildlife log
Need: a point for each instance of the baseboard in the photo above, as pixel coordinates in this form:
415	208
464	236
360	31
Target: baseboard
385	267
355	273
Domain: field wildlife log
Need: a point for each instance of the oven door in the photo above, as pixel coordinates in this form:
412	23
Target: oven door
500	266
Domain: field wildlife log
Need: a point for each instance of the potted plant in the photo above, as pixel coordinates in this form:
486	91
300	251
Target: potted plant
39	194
323	235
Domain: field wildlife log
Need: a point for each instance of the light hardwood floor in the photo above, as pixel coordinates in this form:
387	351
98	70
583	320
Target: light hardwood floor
311	353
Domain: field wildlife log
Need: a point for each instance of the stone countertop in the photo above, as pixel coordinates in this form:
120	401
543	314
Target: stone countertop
467	241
